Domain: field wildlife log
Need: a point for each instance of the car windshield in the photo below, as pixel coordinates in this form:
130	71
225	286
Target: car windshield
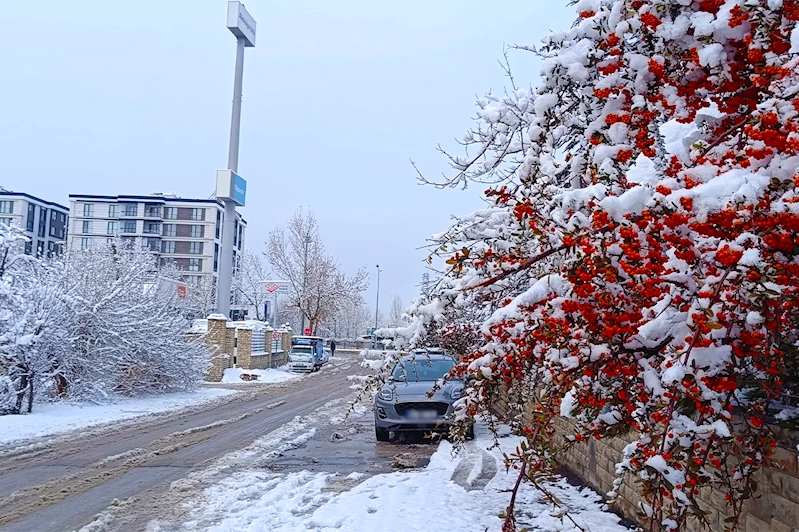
422	369
301	350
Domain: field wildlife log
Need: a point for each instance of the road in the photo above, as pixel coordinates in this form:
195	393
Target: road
124	473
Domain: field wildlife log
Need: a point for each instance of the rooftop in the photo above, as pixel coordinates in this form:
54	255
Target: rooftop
4	192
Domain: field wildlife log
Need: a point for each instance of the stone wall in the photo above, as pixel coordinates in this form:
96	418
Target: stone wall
775	509
244	350
217	338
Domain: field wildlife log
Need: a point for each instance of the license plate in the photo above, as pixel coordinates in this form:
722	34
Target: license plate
422	414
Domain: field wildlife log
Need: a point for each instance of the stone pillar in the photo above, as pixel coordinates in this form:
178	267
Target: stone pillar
244	351
216	337
286	344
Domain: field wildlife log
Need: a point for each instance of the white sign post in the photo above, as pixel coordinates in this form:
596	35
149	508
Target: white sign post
276	288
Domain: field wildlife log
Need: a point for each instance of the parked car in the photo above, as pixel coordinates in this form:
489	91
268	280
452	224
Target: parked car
402	405
307	353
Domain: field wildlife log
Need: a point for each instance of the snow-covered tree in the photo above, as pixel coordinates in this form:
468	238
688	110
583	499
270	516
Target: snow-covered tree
248	284
319	288
638	261
396	315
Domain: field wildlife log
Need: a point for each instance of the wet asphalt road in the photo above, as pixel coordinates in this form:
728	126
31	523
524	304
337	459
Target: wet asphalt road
63	485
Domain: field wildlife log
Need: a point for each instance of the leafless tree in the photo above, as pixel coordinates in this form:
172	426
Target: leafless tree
318	287
248	284
396	315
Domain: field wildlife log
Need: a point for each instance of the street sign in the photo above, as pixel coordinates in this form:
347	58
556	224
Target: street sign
276	287
230	186
182	291
307	332
240	23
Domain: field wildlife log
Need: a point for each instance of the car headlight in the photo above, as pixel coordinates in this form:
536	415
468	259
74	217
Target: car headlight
457	393
386	394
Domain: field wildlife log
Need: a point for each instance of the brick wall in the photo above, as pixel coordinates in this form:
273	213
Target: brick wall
244	351
776	509
217	338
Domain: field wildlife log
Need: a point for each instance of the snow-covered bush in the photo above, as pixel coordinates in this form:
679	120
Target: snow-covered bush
128	328
639	259
92	324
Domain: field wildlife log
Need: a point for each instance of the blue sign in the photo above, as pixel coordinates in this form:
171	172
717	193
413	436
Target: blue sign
239	189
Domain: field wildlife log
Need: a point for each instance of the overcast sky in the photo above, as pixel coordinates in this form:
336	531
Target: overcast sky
106	97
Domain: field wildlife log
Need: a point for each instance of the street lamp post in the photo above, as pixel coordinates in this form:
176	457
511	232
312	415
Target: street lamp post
231	188
377	307
304	279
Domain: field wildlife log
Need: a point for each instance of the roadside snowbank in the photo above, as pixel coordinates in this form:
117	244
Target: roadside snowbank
454	492
234	376
55	418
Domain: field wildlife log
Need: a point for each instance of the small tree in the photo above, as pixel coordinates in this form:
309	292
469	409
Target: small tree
248	284
396	315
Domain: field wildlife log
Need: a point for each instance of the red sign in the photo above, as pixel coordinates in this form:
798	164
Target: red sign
307	332
271	288
182	291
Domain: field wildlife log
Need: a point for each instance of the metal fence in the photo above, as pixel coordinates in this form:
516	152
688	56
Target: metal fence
259	340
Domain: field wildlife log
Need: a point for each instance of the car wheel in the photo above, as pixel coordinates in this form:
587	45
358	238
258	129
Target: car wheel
470	432
382	435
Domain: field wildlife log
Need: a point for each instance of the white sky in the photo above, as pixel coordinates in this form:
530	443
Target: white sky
101	97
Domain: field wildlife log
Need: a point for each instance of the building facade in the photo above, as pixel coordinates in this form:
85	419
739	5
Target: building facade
181	231
43	222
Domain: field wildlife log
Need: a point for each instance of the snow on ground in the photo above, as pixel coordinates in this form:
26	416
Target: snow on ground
55	418
234	376
462	491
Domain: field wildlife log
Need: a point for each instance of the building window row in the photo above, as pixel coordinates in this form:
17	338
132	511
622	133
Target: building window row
6	221
31	215
6	207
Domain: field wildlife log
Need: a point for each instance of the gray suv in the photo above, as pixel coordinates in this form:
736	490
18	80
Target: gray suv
403	405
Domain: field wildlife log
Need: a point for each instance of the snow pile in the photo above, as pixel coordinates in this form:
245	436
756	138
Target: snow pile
55	418
270	376
465	491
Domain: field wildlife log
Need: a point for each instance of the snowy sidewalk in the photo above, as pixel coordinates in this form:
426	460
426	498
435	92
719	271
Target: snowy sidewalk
454	492
56	418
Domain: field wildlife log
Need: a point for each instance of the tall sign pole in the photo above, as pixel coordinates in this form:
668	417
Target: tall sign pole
230	187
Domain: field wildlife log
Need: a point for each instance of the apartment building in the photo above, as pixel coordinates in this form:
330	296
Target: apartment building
43	222
182	231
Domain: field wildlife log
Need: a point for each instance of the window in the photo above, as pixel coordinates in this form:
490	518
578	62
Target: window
152	211
198	214
112	211
216	257
88	210
170	230
130	209
152	244
6	207
113	229
84	243
40	248
152	228
241	230
235	232
87	227
196	248
170	213
31	216
196	231
42	222
218	223
6	221
195	265
168	246
129	226
28	247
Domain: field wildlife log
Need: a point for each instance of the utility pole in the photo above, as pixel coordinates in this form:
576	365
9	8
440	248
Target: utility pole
304	280
377	307
230	187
